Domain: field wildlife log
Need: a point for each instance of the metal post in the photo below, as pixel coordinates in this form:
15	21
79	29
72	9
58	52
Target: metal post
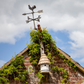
33	19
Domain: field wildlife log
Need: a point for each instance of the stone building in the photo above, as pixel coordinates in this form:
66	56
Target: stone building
74	77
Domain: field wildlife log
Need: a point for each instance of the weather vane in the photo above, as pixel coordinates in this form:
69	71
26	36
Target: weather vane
33	19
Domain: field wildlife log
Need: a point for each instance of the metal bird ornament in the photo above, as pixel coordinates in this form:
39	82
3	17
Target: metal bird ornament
33	19
32	8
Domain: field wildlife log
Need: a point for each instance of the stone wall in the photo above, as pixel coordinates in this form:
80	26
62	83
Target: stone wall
52	78
74	76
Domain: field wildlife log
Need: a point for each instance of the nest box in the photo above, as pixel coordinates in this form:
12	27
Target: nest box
44	63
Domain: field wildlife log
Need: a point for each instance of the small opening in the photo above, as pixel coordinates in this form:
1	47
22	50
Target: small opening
45	65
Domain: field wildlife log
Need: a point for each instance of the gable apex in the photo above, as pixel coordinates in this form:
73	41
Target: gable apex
62	52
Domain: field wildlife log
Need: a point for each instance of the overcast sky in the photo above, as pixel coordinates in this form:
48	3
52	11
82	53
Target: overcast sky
64	20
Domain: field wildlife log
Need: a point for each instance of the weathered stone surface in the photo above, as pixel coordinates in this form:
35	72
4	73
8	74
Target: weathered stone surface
51	78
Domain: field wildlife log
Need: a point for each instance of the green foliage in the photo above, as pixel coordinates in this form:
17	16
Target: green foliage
61	71
4	80
15	71
70	64
34	36
51	58
23	78
34	52
34	62
50	50
16	78
34	47
30	69
46	37
61	55
39	75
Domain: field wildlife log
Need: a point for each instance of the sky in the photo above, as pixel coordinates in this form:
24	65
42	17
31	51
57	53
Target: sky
64	19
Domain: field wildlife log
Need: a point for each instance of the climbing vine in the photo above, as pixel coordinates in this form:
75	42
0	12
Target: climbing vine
50	50
34	47
61	71
15	71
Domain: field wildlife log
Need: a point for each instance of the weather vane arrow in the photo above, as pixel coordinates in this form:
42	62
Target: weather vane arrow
33	19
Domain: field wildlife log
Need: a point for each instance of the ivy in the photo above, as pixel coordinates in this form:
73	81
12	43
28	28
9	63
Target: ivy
39	75
15	71
50	50
61	71
34	52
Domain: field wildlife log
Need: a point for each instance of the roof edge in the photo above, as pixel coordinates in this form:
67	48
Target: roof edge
74	62
61	51
21	53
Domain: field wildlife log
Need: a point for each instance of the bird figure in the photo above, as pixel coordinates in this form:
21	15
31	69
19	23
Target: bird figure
32	8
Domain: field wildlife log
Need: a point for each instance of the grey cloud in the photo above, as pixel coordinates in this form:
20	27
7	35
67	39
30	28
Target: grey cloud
58	15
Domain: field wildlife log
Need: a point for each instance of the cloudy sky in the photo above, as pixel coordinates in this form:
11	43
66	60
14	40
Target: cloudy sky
64	20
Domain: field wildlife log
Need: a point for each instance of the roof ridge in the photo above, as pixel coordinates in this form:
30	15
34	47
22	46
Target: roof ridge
61	51
74	62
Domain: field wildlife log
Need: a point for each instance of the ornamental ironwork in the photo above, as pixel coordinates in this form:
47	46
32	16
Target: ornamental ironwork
33	19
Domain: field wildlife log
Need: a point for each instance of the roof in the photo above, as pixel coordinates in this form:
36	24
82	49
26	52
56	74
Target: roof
62	52
21	53
73	61
43	59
